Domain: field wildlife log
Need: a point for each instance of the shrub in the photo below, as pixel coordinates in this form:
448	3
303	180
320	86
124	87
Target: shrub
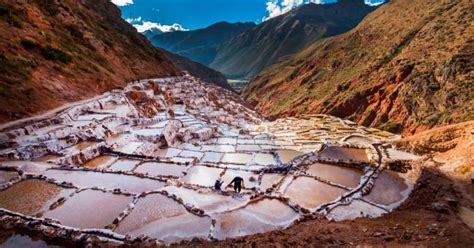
29	44
10	15
54	54
390	127
48	7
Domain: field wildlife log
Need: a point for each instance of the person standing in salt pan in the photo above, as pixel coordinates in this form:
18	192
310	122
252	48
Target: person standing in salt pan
238	184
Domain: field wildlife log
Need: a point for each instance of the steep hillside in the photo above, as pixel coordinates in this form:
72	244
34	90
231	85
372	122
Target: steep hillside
200	45
408	66
198	70
53	52
249	53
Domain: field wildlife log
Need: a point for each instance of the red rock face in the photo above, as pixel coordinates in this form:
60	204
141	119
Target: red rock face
62	51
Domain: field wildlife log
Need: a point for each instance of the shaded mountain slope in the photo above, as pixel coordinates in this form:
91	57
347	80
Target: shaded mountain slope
408	66
200	71
246	55
200	45
54	52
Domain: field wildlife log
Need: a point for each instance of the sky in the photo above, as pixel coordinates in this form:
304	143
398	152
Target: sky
172	15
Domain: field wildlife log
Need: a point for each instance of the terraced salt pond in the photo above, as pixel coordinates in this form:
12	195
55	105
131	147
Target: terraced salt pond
107	165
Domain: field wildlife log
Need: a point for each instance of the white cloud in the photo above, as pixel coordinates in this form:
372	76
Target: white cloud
374	2
280	7
122	2
143	26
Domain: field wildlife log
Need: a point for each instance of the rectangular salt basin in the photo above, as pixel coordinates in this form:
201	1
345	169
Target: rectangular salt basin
78	147
202	175
268	180
31	196
90	209
109	181
148	132
310	193
161	169
212	157
167	153
237	158
227	141
124	165
191	154
390	188
101	162
344	153
218	148
355	210
90	117
263	216
287	156
160	217
208	200
251	148
130	147
264	159
345	176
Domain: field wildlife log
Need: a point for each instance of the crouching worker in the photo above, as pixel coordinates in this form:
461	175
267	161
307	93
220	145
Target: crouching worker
218	184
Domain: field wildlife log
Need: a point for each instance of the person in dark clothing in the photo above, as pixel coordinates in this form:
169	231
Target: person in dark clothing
218	184
238	184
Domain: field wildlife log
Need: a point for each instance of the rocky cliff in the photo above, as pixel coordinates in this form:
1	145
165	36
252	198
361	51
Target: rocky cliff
54	52
407	67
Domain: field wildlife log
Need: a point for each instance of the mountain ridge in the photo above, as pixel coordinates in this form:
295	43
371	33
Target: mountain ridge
404	68
200	45
286	34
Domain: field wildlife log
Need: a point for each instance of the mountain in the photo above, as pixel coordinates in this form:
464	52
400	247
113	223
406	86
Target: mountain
55	52
247	54
200	45
408	66
200	71
152	32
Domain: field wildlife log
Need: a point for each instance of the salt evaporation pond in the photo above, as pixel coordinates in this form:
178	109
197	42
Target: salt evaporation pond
105	180
263	216
90	209
154	172
160	217
31	196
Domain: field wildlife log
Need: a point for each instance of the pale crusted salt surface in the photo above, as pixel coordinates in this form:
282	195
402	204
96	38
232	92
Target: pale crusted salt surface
90	209
263	216
105	180
149	165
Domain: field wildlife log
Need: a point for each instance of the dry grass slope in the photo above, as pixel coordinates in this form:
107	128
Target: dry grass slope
54	52
407	67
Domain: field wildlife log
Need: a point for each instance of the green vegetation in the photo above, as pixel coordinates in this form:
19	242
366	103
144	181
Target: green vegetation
48	52
54	54
48	7
10	15
16	66
390	127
